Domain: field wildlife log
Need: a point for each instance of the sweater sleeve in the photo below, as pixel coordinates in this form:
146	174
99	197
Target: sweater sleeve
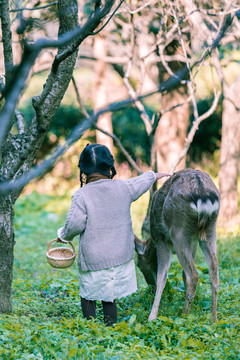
140	184
76	220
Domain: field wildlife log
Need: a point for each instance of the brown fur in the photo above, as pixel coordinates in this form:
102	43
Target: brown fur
183	213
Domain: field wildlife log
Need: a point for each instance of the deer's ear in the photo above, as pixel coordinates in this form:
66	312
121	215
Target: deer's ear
140	249
141	246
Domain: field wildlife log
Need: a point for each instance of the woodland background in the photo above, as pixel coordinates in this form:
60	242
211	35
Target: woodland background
158	83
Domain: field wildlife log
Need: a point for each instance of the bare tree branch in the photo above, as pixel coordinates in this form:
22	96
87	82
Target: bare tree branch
171	83
12	93
131	91
150	2
124	60
113	136
110	17
190	83
193	130
31	52
79	34
82	106
121	147
34	8
226	24
77	133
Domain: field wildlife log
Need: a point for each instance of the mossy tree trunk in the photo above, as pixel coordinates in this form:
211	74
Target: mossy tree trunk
19	151
6	254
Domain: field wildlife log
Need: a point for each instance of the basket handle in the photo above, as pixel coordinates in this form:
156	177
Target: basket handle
56	240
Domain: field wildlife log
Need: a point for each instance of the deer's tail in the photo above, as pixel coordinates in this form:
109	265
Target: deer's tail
207	209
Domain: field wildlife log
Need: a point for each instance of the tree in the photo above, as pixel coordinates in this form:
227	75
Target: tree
230	150
101	91
160	37
20	141
19	148
153	40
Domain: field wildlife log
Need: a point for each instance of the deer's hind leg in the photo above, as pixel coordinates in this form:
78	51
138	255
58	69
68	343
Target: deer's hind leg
164	259
194	245
185	250
209	249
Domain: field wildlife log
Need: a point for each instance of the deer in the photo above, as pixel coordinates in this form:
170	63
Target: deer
183	214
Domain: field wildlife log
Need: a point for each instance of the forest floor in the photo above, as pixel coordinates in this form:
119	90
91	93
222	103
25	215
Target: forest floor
47	323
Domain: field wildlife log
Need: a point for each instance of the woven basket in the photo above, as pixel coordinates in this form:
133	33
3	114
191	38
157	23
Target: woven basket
60	257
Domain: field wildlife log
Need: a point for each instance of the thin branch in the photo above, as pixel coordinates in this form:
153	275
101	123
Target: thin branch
168	69
89	27
82	106
237	108
35	8
77	133
193	130
113	136
12	94
110	17
31	52
226	24
132	12
171	83
131	91
106	59
162	112
121	147
139	105
191	82
218	67
160	41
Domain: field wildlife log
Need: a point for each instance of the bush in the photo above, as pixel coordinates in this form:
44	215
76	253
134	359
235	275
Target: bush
130	129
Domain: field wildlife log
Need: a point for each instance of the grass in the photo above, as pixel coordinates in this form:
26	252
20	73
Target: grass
47	323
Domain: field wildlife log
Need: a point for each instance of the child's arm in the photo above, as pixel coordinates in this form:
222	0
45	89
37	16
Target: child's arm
161	175
140	184
75	222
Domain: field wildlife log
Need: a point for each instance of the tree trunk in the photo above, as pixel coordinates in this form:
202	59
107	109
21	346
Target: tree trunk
101	91
6	254
172	130
19	150
230	151
6	38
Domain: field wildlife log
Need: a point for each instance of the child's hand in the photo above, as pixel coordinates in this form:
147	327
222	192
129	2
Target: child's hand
161	175
61	241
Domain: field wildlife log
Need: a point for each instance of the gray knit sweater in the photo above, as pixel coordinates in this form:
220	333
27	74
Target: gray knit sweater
100	214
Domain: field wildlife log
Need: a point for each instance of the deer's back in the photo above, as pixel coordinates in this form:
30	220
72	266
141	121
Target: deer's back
188	199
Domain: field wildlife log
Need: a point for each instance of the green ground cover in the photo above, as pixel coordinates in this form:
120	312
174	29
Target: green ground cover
47	323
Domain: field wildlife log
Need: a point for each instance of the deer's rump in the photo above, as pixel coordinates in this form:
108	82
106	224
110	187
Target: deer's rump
188	200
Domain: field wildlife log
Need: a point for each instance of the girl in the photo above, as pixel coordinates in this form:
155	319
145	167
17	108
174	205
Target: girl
100	214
